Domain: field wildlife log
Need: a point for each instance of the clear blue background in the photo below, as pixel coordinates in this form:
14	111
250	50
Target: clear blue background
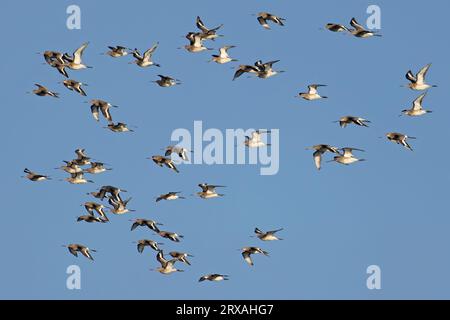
390	211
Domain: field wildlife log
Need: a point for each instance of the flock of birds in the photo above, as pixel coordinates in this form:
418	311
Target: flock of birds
97	211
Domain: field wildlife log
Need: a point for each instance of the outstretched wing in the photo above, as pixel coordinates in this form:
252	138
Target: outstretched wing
149	52
417	104
422	73
78	53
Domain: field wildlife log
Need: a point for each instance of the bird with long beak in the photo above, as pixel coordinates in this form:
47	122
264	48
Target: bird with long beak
74	85
75	62
163	161
248	251
98	105
151	224
145	60
223	56
166	81
360	32
346	120
319	150
264	17
417	108
117	51
417	82
347	157
90	219
75	248
400	138
214	277
141	244
207	34
255	140
336	27
167	266
118	127
33	176
43	91
268	235
170	196
181	256
312	93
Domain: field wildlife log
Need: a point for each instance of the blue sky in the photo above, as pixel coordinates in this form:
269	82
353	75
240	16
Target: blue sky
389	211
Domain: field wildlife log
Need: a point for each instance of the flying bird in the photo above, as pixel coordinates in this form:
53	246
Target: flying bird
319	150
141	244
167	266
117	51
264	17
255	140
336	27
207	34
82	158
245	69
75	248
400	138
75	62
145	60
78	178
417	108
344	121
214	277
312	93
172	236
163	161
181	256
119	207
268	235
223	56
103	106
169	196
151	224
265	70
347	157
360	32
70	167
74	85
248	251
43	91
119	127
90	219
92	207
417	82
195	43
180	151
33	176
166	81
209	191
96	167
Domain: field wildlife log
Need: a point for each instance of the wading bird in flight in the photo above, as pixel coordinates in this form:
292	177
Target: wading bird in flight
320	149
213	277
400	138
75	248
417	108
264	17
347	157
346	120
417	82
268	235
